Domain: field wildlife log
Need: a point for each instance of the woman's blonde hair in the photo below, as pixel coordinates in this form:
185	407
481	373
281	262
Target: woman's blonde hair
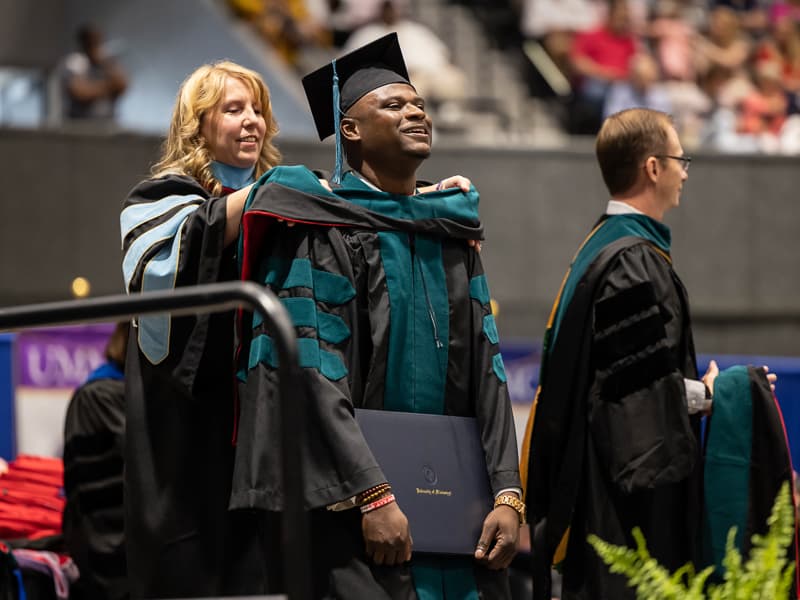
186	151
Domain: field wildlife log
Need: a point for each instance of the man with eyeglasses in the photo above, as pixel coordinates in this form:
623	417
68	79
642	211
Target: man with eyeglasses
613	437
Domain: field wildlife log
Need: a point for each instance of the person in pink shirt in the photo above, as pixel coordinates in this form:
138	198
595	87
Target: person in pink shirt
783	47
726	45
764	110
672	35
782	9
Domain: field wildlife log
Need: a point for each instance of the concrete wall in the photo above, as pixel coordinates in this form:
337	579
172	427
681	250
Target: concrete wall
735	236
32	34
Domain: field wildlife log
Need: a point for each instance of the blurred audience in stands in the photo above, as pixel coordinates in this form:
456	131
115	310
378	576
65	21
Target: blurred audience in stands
554	24
348	15
727	70
92	79
297	29
600	57
427	57
783	47
672	35
780	9
763	111
642	89
726	44
751	14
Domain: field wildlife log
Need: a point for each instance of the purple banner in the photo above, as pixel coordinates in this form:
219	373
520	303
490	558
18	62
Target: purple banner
64	357
61	357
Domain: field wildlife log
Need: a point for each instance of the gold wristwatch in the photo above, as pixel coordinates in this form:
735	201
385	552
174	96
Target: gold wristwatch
514	502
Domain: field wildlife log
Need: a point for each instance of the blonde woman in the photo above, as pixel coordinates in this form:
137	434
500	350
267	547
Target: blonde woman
178	228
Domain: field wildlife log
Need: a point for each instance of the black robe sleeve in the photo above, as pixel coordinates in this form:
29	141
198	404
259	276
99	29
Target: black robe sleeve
489	393
173	235
638	418
94	437
179	391
197	219
337	460
475	369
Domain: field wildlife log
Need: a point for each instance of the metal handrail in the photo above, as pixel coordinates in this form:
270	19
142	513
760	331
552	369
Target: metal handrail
214	297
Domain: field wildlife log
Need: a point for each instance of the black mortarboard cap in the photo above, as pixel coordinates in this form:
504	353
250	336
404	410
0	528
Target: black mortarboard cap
334	88
364	69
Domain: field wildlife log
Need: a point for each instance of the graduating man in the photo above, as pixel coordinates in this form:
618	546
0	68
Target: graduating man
615	422
391	309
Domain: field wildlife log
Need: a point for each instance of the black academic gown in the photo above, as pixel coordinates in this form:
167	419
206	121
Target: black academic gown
391	307
94	437
179	374
613	446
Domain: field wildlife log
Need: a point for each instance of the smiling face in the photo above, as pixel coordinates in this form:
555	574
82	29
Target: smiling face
234	129
391	122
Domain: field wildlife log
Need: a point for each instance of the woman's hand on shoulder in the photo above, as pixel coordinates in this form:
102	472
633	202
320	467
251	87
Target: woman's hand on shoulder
456	181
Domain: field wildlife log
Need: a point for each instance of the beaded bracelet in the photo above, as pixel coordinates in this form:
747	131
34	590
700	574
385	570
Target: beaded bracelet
377	503
373	493
374	496
373	489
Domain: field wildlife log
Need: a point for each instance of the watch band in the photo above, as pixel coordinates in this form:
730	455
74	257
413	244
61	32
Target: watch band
514	502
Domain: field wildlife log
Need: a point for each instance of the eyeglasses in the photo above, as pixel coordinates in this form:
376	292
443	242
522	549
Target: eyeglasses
684	160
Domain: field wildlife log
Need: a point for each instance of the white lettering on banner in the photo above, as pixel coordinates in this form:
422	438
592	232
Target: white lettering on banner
59	366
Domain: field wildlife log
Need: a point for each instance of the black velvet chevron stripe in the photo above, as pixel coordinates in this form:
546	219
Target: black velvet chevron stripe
94	470
638	375
107	496
108	564
611	311
90	444
629	340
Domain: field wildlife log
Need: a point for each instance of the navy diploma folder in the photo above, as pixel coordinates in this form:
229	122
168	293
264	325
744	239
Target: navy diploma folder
437	470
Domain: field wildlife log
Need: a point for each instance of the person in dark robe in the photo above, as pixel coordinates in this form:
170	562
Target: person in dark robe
613	437
392	311
178	229
94	439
